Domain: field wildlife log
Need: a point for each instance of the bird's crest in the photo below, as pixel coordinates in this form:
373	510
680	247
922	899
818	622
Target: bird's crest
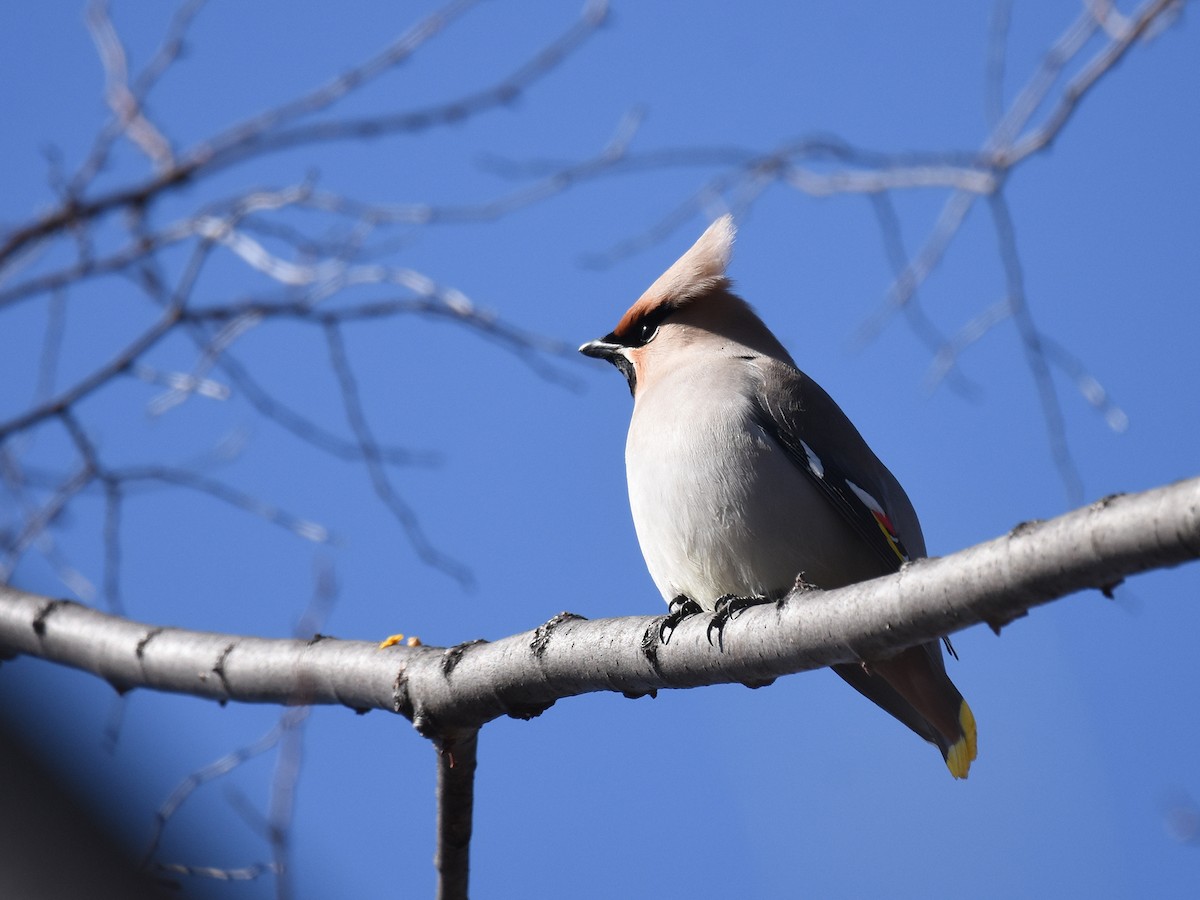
700	270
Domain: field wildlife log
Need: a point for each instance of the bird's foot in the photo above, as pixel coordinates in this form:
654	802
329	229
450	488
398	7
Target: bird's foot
677	610
949	646
726	609
659	633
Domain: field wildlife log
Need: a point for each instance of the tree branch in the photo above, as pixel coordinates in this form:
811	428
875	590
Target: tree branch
449	691
456	802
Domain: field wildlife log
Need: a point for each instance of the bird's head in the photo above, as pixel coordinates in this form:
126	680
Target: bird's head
689	307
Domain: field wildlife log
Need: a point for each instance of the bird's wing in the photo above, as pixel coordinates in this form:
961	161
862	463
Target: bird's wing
818	437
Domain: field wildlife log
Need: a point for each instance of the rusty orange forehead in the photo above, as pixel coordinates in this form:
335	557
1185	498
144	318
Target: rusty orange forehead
636	313
697	272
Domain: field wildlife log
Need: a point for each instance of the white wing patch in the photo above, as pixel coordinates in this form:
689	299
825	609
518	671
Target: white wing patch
881	519
814	463
868	501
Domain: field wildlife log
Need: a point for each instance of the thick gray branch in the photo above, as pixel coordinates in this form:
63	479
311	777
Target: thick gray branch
446	691
456	803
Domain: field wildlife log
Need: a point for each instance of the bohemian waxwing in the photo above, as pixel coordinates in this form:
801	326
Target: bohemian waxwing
744	474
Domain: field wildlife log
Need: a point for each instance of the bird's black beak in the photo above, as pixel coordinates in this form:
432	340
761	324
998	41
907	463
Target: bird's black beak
601	349
608	349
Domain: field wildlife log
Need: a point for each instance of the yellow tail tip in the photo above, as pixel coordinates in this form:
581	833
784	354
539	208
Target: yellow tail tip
962	751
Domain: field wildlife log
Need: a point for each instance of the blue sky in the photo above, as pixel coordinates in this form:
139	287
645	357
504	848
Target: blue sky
1087	710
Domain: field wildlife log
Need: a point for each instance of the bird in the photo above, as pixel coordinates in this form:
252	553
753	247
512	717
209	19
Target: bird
744	475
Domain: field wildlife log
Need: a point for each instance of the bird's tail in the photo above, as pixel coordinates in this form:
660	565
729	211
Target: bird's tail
913	686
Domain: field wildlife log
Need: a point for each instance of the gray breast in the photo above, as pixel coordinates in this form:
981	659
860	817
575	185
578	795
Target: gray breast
718	506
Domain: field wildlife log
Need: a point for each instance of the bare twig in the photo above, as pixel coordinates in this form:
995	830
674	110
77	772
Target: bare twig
42	518
395	54
1086	383
97	379
930	334
919	268
200	777
945	360
456	759
1139	24
128	115
307	430
378	474
56	316
127	101
287	737
302	528
113	498
1035	353
124	359
996	56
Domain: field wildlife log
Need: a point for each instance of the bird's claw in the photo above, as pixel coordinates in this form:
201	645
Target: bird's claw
726	609
677	610
658	635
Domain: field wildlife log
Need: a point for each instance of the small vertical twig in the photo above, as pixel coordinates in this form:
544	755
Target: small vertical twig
372	456
1035	351
997	53
456	804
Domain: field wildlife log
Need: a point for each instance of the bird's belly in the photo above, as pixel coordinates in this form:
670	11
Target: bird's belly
726	512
